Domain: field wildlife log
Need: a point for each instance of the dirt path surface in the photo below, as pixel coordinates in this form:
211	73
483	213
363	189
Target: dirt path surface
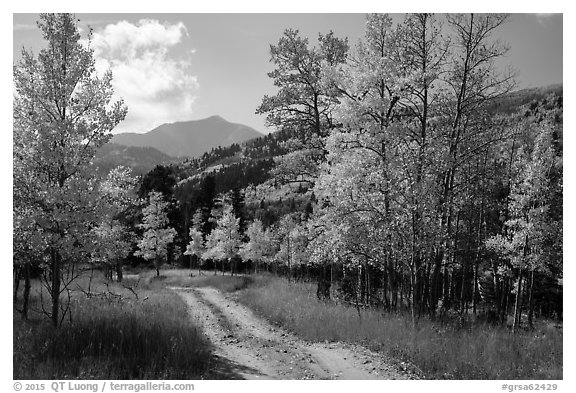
248	347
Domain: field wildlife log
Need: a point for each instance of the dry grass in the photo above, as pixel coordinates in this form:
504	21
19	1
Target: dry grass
440	351
150	339
188	279
112	337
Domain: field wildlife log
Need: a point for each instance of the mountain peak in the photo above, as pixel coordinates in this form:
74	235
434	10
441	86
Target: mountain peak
190	138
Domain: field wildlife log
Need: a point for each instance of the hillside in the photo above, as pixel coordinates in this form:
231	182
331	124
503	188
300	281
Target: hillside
513	101
140	159
189	138
219	147
239	166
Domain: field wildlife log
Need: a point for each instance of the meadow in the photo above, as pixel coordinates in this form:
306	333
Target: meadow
146	333
112	335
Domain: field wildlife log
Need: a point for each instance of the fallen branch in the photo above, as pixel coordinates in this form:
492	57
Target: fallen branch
132	290
116	295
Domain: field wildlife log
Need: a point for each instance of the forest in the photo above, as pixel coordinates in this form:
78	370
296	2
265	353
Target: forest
419	182
406	174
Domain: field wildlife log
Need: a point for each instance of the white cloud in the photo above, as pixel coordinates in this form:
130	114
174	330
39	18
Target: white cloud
543	18
150	74
24	26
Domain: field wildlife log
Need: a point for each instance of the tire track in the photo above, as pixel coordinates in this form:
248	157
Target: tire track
230	361
251	348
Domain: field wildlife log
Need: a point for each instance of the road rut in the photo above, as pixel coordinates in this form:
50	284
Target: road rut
249	347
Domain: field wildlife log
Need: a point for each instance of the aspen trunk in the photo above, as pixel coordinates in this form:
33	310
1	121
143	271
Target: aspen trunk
17	276
55	289
475	288
26	295
506	298
463	288
412	295
119	274
531	301
517	316
358	287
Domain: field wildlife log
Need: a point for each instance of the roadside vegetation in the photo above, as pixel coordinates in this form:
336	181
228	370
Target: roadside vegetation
112	334
441	350
438	349
144	332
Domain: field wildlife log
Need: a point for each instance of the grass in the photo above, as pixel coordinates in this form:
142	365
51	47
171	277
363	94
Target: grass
112	338
129	338
438	350
223	283
188	279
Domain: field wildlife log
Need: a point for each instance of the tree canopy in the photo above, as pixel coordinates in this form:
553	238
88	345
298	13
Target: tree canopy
62	111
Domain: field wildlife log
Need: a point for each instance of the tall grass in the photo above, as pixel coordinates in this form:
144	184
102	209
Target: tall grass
113	338
438	350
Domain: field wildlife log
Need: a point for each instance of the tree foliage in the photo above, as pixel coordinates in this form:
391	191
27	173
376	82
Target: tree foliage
112	239
260	245
417	172
157	234
224	240
62	111
303	104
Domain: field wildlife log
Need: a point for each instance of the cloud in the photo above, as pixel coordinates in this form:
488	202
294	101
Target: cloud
24	26
543	18
150	73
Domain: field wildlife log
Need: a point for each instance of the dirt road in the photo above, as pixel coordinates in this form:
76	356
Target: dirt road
248	347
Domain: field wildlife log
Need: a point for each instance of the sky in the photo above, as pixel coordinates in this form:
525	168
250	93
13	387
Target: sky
176	67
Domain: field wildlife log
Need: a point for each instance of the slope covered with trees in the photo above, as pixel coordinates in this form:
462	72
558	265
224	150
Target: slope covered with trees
140	159
405	171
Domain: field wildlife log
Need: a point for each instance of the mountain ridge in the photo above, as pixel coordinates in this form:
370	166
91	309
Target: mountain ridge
189	138
264	146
